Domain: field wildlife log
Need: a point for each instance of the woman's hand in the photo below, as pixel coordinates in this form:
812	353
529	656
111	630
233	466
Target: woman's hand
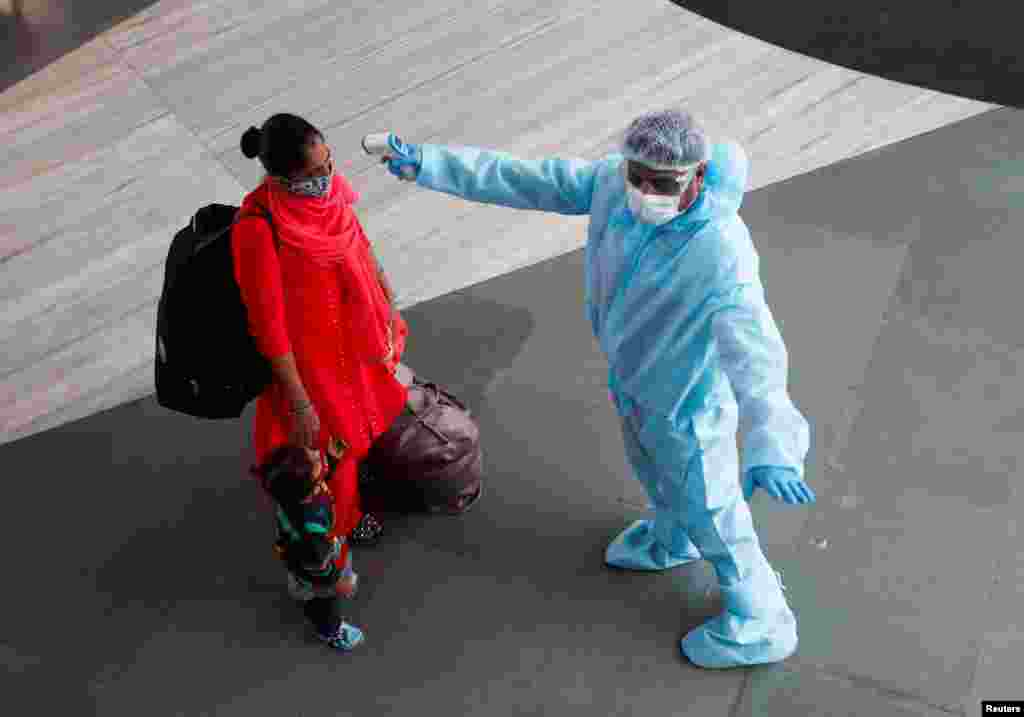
305	424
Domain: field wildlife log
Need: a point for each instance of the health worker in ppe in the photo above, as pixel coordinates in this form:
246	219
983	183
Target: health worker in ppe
675	300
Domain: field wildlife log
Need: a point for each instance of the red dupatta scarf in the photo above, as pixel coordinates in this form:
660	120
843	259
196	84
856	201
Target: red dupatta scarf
327	231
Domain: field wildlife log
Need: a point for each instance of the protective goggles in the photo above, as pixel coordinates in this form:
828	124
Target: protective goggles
661	181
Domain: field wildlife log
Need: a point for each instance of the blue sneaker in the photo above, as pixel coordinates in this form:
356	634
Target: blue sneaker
346	638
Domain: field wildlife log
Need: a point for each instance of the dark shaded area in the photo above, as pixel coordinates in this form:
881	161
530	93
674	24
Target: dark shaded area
34	35
970	49
485	336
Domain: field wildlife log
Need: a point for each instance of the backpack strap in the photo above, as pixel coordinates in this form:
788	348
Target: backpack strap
265	213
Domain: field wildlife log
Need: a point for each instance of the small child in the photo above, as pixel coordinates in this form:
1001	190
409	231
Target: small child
294	478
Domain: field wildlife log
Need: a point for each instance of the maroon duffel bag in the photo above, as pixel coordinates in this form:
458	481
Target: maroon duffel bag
430	458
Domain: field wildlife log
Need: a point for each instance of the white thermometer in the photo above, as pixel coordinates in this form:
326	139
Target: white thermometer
377	145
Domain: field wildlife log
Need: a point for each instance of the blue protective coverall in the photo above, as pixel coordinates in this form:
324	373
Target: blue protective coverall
680	312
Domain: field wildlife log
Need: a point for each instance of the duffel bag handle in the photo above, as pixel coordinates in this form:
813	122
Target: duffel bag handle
419	417
439	393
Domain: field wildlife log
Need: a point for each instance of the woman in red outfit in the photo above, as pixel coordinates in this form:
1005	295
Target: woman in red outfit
319	308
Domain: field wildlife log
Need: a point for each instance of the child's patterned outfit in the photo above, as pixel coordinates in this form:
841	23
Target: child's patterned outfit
310	554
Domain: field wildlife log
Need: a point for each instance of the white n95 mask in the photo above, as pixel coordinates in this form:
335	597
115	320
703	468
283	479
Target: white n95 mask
652	208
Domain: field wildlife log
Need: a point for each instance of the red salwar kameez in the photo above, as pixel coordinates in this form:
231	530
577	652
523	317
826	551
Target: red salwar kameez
317	295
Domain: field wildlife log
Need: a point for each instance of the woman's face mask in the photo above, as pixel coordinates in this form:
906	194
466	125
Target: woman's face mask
315	186
309	187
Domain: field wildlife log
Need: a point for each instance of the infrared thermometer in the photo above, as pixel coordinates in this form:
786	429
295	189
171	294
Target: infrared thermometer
377	145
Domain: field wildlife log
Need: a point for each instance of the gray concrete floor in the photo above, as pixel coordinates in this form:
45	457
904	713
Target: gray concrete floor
139	573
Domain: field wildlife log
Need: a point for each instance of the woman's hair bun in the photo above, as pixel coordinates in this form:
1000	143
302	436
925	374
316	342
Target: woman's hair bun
251	141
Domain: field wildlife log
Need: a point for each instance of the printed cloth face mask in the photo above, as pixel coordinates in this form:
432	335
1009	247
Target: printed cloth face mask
311	186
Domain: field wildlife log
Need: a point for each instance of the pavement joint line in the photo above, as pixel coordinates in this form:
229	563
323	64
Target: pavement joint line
875	685
734	710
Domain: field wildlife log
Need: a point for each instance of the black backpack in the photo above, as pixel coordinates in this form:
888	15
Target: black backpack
207	362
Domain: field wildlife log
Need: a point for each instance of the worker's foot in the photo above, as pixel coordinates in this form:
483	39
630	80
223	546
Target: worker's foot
637	548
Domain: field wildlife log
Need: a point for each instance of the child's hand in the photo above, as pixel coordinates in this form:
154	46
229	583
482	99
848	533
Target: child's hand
336	448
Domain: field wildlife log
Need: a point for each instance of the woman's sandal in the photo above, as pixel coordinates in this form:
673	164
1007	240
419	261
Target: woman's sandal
368	531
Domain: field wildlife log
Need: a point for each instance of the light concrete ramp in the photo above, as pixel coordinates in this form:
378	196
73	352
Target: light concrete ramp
107	152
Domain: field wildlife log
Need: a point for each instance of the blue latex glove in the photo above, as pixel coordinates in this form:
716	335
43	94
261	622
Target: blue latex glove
782	484
403	160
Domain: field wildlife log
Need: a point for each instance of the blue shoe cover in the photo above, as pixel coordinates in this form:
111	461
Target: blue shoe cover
744	634
637	548
730	641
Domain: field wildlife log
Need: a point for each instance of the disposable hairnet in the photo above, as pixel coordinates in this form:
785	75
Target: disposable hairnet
666	139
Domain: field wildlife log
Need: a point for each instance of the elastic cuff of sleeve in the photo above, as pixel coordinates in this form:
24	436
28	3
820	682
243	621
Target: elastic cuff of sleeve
791	469
427	158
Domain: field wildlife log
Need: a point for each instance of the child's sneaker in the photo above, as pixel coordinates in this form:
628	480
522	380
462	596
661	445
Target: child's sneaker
347	637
